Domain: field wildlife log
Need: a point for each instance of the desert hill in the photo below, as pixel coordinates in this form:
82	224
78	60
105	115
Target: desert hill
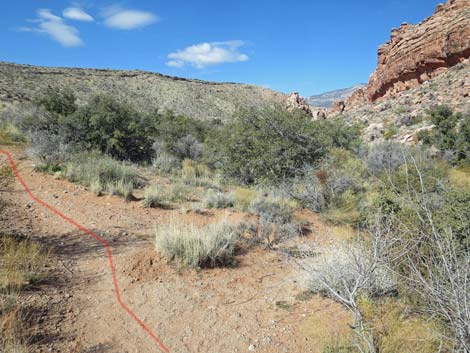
146	90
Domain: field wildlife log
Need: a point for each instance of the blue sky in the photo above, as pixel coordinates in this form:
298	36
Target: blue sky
307	46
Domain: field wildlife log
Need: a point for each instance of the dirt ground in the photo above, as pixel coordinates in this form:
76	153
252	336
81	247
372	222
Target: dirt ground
255	306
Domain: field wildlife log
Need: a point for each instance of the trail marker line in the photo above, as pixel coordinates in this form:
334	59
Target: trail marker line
96	237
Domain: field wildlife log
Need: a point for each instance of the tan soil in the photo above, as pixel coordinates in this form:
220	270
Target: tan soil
221	310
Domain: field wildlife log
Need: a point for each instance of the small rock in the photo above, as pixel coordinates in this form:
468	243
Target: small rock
251	348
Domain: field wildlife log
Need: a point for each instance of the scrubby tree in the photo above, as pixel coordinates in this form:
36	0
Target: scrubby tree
274	145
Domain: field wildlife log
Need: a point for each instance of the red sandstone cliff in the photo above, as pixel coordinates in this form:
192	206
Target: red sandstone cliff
416	53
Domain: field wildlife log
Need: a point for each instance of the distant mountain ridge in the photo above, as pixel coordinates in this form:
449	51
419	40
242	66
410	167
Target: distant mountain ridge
145	90
326	100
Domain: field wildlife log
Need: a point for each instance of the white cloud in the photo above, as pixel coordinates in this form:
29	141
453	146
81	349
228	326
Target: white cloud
117	17
208	54
55	28
76	13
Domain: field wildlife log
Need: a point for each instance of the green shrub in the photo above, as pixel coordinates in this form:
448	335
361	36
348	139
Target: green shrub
390	132
274	145
211	246
114	128
58	101
103	174
104	124
451	133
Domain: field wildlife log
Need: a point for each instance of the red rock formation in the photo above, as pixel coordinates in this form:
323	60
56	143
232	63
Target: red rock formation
416	53
295	101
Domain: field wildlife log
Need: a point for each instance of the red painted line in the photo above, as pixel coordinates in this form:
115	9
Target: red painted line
96	237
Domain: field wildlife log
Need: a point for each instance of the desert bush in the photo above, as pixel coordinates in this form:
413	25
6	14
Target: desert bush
154	197
428	249
163	195
451	133
349	272
114	128
390	132
244	197
50	151
9	131
103	174
22	263
166	163
218	199
385	157
104	124
171	129
211	246
275	219
335	188
274	145
188	147
336	271
58	101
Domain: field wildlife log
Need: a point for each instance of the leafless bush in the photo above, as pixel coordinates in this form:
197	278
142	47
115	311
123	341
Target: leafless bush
350	271
430	260
48	149
188	147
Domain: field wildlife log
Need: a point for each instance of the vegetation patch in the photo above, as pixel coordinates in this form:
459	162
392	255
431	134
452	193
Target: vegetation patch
103	175
213	245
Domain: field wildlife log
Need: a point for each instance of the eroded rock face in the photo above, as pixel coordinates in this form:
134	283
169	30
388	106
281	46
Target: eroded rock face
296	101
416	53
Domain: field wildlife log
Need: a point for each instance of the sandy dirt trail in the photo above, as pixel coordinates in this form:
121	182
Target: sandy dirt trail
254	306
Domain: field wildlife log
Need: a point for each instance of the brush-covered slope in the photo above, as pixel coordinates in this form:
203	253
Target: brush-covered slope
145	90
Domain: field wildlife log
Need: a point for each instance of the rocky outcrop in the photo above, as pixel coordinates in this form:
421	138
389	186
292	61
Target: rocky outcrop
296	101
416	53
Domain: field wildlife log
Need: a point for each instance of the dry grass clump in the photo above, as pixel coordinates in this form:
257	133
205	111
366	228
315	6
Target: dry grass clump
329	330
103	175
212	245
399	330
244	197
12	331
10	134
218	200
21	263
459	178
6	176
163	195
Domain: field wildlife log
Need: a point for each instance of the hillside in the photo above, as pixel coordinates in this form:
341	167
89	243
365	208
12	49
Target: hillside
402	116
326	100
146	90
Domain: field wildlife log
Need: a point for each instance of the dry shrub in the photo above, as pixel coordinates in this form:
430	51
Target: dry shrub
218	200
210	246
21	263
